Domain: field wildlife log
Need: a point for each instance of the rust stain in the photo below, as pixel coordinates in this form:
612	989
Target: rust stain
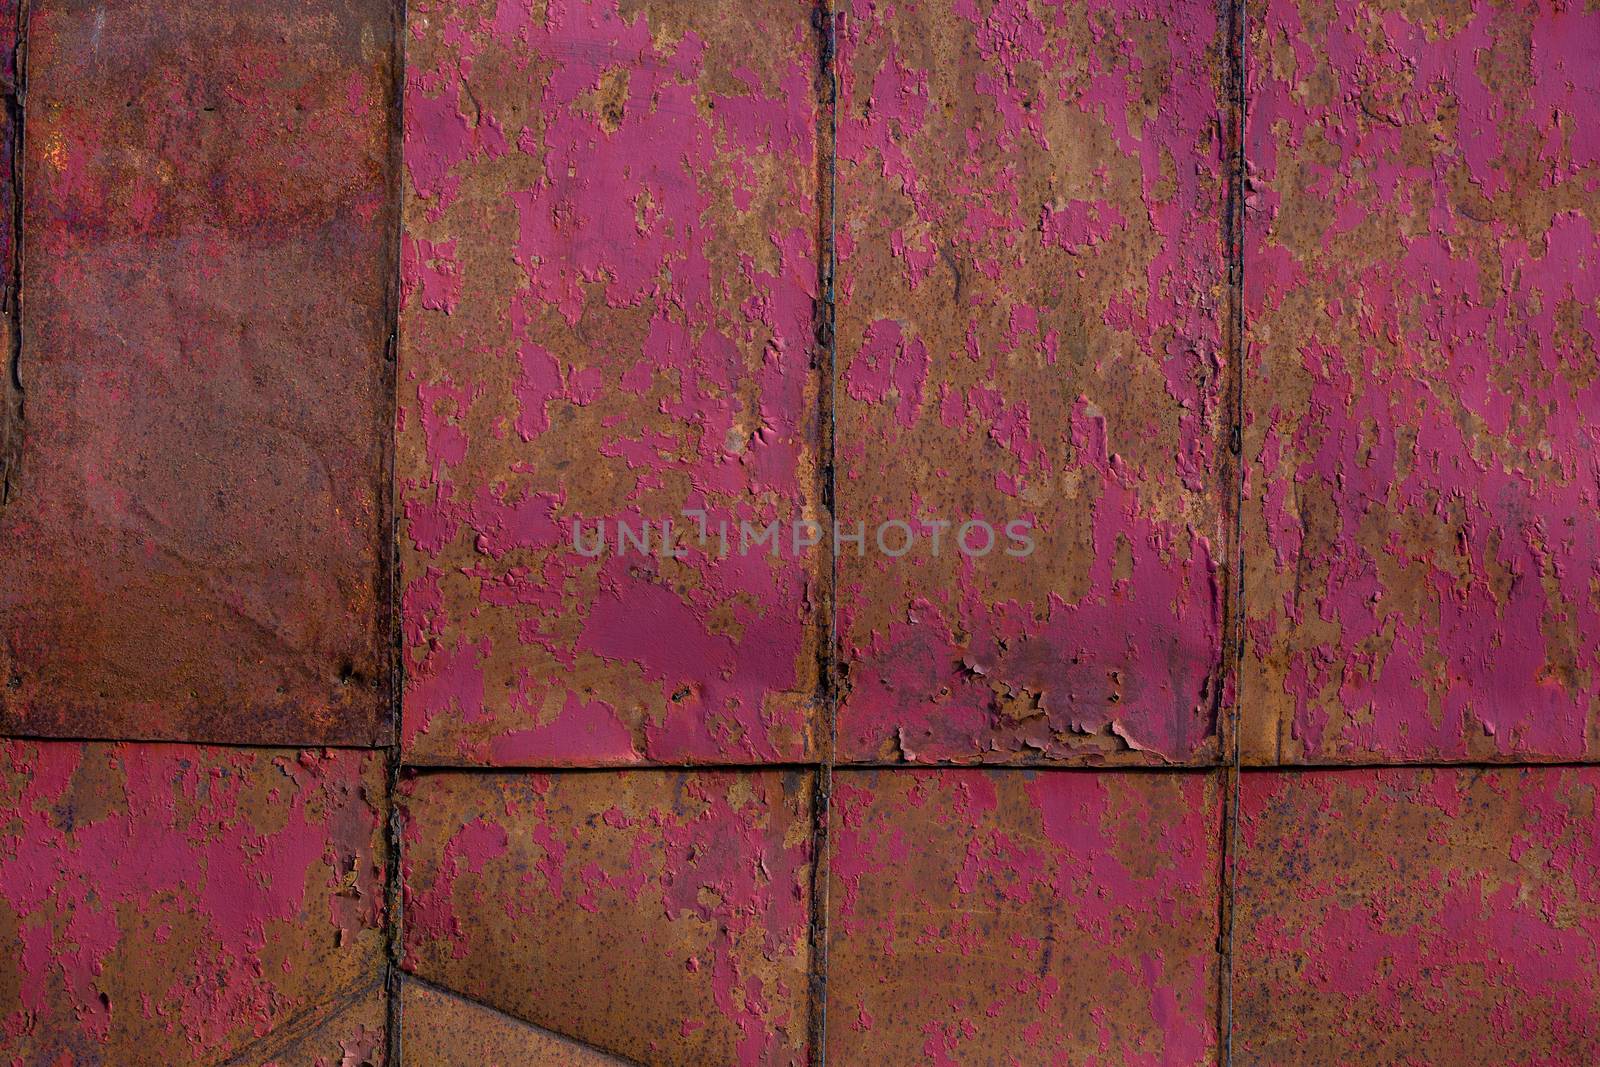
660	915
194	532
349	1035
11	400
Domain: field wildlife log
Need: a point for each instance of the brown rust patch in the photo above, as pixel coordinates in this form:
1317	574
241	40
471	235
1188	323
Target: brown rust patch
346	1033
194	534
11	401
444	1030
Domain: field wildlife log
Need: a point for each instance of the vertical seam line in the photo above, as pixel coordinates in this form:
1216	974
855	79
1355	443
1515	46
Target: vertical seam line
393	1006
13	392
824	22
1237	27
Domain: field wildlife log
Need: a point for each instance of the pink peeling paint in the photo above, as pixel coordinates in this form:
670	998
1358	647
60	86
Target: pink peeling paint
609	281
1424	294
1030	277
179	899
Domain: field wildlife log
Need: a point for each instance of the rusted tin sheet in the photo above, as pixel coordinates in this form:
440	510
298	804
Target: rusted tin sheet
1419	916
1424	446
1030	275
609	273
194	523
660	915
444	1030
174	904
1017	917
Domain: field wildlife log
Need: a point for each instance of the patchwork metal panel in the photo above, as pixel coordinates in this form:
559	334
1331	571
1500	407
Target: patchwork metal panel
194	513
1030	274
442	1030
1419	916
610	267
1011	917
657	914
175	904
1422	544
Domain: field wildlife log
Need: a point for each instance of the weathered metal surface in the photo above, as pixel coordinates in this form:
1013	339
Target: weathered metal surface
1419	916
444	1030
609	281
194	525
609	263
350	1034
1421	533
1012	917
173	904
656	914
1030	274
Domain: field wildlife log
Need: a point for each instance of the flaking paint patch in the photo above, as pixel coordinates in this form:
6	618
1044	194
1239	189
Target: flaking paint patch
1419	916
610	268
1022	917
1423	293
173	904
1030	274
665	914
194	532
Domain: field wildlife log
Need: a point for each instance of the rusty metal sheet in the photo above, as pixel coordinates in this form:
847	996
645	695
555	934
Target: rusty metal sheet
609	274
194	518
661	915
1446	915
1423	292
1030	275
441	1029
173	904
1023	917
